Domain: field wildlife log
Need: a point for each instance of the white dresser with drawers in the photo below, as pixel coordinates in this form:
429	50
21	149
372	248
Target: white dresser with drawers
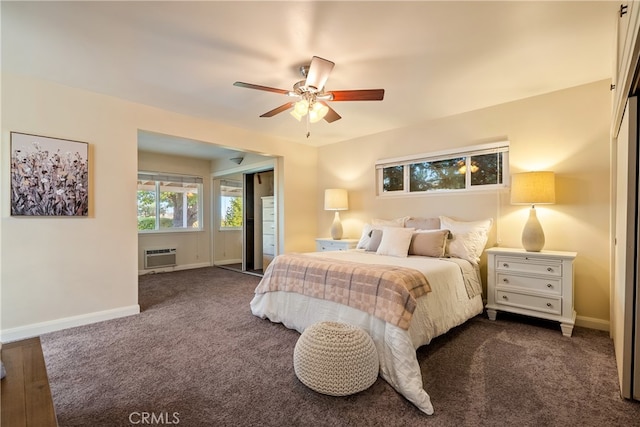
328	244
268	231
538	284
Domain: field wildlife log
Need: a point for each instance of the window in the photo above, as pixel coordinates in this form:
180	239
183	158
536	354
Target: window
230	205
169	202
471	168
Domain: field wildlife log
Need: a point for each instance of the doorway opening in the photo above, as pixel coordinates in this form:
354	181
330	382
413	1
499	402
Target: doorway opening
246	246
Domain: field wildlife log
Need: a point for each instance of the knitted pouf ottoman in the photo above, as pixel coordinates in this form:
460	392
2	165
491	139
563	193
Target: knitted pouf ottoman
337	359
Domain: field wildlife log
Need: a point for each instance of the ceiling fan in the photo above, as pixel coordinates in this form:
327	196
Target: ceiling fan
310	95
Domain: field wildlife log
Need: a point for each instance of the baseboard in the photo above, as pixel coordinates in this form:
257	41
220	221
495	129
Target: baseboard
174	268
37	329
592	323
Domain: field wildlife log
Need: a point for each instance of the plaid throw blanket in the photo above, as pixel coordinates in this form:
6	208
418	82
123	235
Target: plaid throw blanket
387	292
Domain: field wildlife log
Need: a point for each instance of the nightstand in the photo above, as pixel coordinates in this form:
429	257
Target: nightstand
328	244
538	284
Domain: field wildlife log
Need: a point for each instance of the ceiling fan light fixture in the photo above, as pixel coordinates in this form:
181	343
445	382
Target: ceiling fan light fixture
317	112
295	114
311	95
301	107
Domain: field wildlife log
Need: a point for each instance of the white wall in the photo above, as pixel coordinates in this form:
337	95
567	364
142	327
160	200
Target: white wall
565	131
63	269
59	272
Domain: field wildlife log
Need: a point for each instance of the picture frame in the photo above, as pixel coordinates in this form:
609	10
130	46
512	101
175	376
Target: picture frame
49	176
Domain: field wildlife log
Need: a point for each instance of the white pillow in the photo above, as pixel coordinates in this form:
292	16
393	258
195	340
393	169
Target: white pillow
374	242
365	237
395	241
377	224
468	238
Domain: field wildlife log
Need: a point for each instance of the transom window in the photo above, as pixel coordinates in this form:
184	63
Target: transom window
471	168
169	202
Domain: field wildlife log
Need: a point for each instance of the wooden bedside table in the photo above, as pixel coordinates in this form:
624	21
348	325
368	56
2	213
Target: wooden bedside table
328	244
538	284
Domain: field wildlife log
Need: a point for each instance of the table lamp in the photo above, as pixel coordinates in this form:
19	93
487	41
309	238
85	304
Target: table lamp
533	188
335	199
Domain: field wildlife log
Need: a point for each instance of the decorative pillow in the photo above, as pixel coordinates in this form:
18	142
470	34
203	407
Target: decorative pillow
423	223
397	222
365	237
395	241
468	239
429	243
374	241
377	224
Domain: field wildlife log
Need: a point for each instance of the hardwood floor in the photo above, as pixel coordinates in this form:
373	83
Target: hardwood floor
26	397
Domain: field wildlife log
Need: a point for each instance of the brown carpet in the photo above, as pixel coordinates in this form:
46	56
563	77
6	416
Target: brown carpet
196	356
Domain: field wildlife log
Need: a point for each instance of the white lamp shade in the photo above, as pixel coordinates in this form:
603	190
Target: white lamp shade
533	188
335	199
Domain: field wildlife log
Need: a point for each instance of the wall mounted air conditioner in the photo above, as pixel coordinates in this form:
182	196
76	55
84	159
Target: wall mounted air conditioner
156	258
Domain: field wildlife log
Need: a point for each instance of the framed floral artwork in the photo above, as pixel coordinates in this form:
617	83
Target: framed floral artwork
49	176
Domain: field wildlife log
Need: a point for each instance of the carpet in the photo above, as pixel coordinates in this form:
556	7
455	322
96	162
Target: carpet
196	356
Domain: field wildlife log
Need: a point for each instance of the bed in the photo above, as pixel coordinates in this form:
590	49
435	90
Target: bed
453	293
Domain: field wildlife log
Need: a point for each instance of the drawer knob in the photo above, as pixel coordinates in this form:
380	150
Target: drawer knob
549	305
549	269
504	297
505	265
549	285
505	280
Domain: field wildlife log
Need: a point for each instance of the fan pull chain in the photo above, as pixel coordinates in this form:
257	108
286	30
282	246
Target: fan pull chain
308	125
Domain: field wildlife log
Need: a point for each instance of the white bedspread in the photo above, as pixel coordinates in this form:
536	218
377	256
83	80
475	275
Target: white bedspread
446	306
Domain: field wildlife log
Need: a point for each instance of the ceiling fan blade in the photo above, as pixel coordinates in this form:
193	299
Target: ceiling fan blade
318	73
358	95
267	88
331	115
280	109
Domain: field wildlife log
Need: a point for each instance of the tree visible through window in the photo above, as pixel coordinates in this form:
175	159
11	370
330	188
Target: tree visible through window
438	175
486	169
230	204
393	178
167	202
471	168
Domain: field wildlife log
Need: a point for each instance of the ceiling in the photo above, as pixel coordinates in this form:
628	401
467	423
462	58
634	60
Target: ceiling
433	59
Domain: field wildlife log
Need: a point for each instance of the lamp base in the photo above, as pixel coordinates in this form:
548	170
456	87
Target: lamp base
532	235
336	227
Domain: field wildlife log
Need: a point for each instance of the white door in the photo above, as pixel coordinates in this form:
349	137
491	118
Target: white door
622	304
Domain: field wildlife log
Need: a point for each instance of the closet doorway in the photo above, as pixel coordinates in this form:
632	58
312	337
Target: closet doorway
259	221
247	247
